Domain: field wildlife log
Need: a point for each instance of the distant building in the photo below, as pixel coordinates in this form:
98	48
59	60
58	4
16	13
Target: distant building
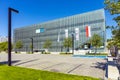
59	29
3	39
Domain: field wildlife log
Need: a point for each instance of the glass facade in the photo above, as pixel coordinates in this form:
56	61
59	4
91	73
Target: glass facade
55	31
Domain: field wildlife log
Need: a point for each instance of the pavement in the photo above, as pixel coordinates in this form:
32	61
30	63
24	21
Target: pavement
59	63
113	72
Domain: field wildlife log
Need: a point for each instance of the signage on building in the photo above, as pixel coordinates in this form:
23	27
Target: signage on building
40	30
37	31
77	33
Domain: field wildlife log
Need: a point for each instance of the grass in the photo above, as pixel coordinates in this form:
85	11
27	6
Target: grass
65	53
98	54
18	73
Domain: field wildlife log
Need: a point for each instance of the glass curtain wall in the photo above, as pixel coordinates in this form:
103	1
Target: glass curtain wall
55	31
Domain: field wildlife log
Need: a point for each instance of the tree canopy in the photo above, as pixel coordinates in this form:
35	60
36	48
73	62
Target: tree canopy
113	6
31	46
18	45
67	43
96	41
110	43
47	43
3	46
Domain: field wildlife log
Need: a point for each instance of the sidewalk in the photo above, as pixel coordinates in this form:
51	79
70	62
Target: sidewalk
113	72
59	63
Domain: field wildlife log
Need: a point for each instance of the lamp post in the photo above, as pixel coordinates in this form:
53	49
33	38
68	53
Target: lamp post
32	44
9	34
103	38
72	43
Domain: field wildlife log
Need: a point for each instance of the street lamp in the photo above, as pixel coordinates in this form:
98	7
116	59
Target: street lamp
104	38
32	44
72	43
9	34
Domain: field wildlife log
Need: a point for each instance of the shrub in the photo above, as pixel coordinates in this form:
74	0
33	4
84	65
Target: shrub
45	52
29	53
97	54
64	53
17	52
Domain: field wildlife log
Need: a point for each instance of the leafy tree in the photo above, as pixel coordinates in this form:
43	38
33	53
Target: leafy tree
18	45
47	44
31	46
115	35
110	43
109	40
67	43
96	41
113	6
4	46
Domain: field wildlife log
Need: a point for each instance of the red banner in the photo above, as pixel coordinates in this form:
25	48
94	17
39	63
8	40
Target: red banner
87	33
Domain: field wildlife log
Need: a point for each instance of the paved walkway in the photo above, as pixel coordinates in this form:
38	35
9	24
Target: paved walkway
113	72
59	63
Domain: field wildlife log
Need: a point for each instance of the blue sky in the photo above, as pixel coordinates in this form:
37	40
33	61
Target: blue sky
37	11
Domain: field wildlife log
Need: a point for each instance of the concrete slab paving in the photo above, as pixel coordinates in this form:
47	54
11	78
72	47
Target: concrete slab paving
113	72
59	63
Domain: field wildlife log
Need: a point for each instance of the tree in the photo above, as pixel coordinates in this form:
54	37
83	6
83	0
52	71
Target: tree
4	46
113	6
96	41
110	43
67	43
31	46
18	45
115	35
47	44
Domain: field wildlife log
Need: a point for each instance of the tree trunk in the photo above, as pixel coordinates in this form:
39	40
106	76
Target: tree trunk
68	49
95	50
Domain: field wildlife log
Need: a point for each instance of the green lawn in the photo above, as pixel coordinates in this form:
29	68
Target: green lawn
18	73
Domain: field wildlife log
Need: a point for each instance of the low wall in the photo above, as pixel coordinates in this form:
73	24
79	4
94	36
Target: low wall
80	52
55	52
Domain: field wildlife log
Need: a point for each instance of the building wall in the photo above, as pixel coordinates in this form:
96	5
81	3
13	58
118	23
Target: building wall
55	28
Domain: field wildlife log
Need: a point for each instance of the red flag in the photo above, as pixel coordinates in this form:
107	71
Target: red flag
87	33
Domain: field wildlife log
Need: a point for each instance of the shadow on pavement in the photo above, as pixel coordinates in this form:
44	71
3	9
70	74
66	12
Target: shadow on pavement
26	62
6	62
74	68
100	65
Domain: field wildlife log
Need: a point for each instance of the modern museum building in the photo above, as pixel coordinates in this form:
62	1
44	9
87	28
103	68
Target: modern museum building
59	29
